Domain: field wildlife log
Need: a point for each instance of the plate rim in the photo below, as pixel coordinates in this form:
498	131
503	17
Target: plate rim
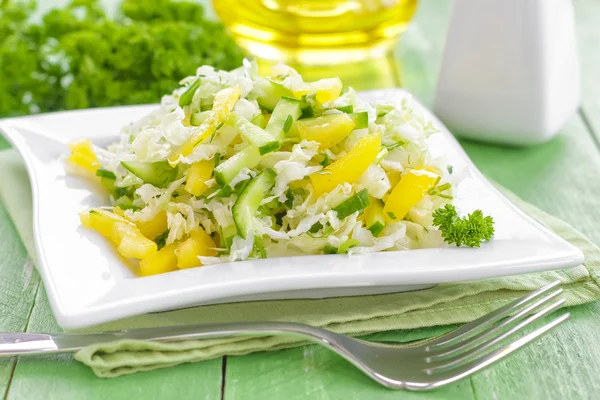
135	305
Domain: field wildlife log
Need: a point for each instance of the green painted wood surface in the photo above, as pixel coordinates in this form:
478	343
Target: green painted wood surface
18	285
559	177
61	377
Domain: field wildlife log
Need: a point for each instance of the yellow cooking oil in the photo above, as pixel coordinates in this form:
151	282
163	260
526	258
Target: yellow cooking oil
316	32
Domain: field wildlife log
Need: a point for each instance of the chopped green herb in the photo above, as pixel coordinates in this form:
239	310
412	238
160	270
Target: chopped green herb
381	155
327	230
188	95
161	239
395	145
349	109
357	202
347	245
225	191
329	250
104	173
288	124
120	192
391	215
315	228
258	248
326	160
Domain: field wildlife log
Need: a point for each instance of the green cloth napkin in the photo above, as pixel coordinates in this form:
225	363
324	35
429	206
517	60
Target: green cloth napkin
445	304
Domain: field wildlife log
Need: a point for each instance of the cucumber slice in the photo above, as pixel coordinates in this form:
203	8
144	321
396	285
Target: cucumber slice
159	174
374	218
104	173
198	118
286	112
125	203
188	95
228	169
361	119
271	93
265	141
260	121
357	202
226	236
247	204
108	183
346	109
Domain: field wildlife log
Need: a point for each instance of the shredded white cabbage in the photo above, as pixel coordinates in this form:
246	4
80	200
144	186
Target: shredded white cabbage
291	217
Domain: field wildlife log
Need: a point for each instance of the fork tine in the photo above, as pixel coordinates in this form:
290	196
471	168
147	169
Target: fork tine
488	318
470	353
446	351
484	361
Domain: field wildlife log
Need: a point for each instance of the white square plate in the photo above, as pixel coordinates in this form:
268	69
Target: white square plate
89	283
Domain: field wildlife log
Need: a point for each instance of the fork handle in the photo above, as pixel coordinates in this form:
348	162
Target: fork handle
12	344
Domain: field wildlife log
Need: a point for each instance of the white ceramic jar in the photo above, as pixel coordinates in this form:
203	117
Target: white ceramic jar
510	70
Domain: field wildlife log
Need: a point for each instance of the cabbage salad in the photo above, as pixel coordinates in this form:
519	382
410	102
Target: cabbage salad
234	165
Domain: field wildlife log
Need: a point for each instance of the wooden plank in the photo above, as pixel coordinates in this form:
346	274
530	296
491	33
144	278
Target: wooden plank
587	14
61	377
562	365
18	284
313	372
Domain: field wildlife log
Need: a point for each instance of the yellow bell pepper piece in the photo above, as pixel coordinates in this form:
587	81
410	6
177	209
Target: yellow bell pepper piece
154	227
408	192
160	262
394	177
123	233
198	244
326	130
327	89
348	168
119	211
131	243
223	104
101	220
199	173
83	155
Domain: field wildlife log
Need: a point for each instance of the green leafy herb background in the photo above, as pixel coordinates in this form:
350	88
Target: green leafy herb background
78	57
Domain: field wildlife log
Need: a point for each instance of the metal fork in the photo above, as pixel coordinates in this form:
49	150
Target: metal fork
444	360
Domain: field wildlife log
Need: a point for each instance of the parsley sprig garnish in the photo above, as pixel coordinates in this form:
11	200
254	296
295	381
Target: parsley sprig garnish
468	231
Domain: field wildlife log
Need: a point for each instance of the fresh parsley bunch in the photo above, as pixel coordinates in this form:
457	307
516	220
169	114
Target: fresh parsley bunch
469	231
77	57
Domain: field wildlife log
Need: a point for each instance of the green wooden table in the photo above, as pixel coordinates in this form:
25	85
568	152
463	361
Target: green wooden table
559	177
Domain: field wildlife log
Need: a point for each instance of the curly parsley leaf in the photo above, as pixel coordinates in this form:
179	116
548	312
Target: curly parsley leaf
469	231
